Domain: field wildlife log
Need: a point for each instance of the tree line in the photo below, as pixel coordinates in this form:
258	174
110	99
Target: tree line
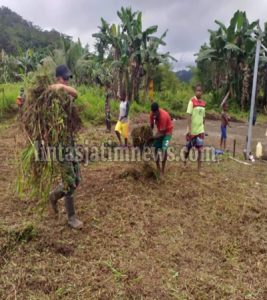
127	57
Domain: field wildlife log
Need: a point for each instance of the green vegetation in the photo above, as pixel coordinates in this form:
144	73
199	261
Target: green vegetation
18	35
226	64
127	57
91	103
131	53
8	95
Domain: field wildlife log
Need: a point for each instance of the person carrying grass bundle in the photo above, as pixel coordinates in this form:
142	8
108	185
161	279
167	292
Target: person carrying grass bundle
122	126
70	170
164	124
196	120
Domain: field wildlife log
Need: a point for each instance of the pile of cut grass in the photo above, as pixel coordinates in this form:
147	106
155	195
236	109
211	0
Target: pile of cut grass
141	136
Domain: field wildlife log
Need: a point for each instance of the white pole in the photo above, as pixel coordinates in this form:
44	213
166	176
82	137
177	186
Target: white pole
253	96
264	48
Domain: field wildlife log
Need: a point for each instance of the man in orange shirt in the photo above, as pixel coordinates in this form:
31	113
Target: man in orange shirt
164	124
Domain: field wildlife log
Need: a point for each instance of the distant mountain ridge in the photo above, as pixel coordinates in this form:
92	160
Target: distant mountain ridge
184	75
17	34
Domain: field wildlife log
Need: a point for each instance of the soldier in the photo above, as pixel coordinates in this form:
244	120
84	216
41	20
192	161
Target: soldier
70	171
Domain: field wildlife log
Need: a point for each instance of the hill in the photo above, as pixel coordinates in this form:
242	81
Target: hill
17	34
184	75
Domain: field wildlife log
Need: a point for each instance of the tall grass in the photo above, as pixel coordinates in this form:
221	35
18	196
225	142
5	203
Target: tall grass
8	96
176	102
91	101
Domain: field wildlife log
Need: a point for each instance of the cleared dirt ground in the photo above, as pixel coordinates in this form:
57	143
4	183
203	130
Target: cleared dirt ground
182	237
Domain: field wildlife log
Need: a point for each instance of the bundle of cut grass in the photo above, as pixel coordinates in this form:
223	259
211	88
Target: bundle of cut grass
49	115
141	136
50	119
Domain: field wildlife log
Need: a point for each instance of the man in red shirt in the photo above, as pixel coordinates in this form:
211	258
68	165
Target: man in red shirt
164	124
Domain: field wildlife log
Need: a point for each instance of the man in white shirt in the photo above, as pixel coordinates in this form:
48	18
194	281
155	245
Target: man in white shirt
122	126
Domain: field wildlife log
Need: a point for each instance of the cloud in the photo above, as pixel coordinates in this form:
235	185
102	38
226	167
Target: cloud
187	21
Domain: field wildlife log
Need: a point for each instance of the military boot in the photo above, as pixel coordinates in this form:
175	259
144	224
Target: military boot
72	219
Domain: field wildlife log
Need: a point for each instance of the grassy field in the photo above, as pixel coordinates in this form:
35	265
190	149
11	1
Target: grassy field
91	102
182	237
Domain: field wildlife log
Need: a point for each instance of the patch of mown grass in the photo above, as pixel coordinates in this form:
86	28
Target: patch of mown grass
14	237
118	275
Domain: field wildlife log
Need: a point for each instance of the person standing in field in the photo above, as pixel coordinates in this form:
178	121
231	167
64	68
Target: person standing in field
122	126
20	99
107	110
196	120
70	170
164	124
224	123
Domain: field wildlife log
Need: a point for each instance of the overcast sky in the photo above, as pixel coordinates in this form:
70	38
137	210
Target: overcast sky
186	20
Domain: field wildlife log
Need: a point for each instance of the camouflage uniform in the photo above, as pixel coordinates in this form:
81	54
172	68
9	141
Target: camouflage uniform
70	174
70	171
70	177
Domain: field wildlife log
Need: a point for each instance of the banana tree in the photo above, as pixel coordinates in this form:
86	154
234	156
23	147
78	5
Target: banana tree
152	58
230	54
109	48
130	49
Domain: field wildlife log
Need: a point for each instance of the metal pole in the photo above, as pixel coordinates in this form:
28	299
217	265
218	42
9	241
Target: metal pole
253	96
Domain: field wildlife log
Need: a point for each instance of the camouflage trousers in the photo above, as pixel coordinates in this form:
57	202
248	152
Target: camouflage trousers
71	176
